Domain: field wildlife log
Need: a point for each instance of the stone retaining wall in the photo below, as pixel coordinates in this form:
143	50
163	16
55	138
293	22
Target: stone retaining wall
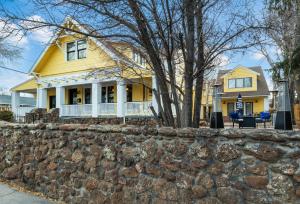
114	164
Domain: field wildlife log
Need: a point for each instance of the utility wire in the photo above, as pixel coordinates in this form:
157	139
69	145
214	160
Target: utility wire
11	69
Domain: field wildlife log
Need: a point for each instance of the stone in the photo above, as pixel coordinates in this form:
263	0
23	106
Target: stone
201	151
52	166
227	152
91	184
297	192
90	162
129	172
77	156
205	180
187	132
258	182
229	195
11	172
167	131
216	168
257	196
260	169
281	186
209	200
285	166
153	170
264	152
199	191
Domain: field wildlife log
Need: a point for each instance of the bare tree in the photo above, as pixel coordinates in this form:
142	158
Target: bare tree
182	39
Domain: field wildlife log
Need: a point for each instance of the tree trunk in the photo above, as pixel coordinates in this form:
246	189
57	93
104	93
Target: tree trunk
199	68
197	101
189	63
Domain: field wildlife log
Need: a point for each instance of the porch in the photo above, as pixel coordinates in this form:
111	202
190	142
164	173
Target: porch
118	98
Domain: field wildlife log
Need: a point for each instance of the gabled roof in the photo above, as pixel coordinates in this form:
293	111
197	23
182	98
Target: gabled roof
101	43
238	67
262	86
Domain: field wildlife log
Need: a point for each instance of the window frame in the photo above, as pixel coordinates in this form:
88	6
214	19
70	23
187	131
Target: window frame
76	52
244	83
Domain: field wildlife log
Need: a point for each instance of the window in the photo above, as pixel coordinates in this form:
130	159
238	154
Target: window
76	50
87	95
248	82
110	94
103	95
81	49
231	83
249	108
129	93
72	96
240	83
71	51
137	57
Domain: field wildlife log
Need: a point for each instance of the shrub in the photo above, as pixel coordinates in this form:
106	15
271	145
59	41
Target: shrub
7	116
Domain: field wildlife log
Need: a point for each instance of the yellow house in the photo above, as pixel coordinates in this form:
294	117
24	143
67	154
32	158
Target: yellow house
250	83
88	76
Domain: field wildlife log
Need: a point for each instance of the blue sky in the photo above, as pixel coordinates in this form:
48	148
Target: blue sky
33	44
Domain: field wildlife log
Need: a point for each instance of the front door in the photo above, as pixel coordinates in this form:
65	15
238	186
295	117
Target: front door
73	96
52	102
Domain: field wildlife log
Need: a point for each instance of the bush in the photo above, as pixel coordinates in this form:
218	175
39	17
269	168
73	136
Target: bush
7	116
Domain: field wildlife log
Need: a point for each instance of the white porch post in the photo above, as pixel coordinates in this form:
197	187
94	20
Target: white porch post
121	98
96	98
60	98
154	101
15	101
41	98
266	103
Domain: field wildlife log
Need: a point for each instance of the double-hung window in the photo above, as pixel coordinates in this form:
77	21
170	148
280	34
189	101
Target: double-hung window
240	83
76	50
71	51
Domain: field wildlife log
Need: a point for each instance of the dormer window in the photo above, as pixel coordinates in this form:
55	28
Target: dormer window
138	58
76	50
240	83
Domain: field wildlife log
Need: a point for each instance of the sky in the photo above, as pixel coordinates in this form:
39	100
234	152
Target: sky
34	43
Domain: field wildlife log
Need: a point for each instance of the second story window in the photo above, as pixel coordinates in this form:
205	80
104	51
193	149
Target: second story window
76	50
71	51
240	83
137	57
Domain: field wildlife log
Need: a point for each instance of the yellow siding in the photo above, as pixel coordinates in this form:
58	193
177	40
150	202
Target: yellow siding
240	73
27	85
54	61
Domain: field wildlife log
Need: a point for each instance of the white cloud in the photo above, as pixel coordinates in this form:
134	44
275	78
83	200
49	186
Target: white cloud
258	55
223	60
10	79
39	33
12	34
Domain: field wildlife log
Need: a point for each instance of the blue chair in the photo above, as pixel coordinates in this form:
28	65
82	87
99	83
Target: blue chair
234	116
263	118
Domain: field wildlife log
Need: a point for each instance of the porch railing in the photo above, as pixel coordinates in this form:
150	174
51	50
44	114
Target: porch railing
21	111
78	110
107	109
138	108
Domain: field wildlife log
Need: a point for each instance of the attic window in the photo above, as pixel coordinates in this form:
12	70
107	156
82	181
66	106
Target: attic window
137	57
76	50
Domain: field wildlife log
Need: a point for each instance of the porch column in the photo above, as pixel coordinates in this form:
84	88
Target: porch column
96	98
41	98
154	101
15	101
121	98
266	104
60	98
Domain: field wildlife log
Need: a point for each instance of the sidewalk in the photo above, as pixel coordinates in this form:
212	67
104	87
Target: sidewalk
11	196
